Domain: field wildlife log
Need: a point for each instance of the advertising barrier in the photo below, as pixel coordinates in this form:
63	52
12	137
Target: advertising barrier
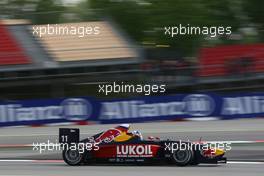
140	109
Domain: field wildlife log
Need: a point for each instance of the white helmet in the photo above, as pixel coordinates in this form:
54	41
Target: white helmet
137	133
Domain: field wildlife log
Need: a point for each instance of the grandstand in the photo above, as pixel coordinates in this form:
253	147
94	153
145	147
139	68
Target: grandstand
63	60
223	68
233	59
107	44
69	65
11	53
19	50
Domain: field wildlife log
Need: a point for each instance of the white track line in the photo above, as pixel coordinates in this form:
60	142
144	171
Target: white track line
14	160
244	162
32	161
61	161
233	142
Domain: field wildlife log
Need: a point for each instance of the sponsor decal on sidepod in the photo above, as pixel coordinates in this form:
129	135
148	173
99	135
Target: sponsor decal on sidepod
134	151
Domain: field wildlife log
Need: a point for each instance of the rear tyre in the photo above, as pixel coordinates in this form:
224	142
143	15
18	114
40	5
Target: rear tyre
72	157
182	157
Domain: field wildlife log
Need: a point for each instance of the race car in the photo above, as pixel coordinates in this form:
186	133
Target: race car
118	145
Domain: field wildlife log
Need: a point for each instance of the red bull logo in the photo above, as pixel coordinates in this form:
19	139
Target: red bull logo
108	136
209	153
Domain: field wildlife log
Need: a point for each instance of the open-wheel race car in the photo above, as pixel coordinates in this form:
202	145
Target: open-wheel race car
118	145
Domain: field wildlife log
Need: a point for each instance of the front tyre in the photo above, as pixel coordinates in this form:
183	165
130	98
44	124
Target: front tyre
72	157
182	157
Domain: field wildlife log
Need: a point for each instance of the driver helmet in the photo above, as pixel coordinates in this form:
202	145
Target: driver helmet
138	134
123	127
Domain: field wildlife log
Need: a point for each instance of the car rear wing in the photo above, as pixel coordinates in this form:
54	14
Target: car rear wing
69	135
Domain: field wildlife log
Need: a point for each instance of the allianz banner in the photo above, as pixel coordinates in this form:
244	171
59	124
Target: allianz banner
147	108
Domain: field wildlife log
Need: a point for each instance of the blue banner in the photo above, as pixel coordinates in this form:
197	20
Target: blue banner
147	108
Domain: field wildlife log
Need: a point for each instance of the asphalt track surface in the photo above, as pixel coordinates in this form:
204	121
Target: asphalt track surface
246	159
60	169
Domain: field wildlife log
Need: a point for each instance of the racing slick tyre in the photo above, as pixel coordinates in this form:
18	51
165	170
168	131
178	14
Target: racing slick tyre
182	157
72	157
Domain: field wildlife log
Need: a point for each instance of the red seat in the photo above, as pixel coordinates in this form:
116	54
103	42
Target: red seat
10	51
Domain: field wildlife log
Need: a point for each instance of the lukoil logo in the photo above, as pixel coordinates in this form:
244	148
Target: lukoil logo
133	150
76	109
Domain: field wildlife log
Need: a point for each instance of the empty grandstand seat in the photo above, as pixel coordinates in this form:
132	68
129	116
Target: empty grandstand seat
217	61
105	45
10	51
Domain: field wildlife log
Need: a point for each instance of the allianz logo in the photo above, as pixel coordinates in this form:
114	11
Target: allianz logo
71	109
76	109
193	105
